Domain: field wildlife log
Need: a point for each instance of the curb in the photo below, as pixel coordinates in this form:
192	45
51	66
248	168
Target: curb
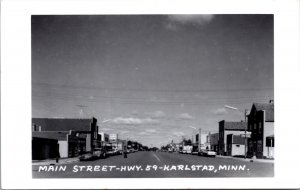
53	162
248	160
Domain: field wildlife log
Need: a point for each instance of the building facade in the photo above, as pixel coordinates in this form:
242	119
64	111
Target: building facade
103	137
203	141
214	142
261	125
62	137
113	137
235	145
226	128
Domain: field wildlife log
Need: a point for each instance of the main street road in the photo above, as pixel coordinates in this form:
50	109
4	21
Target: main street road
156	165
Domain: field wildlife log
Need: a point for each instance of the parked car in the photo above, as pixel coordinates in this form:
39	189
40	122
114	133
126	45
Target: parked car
195	153
209	153
86	157
112	152
130	150
119	152
99	153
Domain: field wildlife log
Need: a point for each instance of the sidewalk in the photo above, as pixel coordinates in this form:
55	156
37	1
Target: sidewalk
247	159
53	161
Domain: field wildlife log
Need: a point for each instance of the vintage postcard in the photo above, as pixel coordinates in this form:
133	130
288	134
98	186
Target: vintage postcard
137	97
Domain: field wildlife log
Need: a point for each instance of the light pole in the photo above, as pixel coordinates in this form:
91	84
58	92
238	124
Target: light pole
245	137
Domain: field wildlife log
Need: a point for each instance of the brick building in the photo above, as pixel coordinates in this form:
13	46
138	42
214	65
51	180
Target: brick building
214	142
261	125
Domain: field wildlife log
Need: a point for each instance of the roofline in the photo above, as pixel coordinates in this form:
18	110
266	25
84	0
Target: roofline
235	129
62	118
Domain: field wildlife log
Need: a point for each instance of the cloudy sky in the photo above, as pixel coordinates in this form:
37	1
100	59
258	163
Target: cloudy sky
154	78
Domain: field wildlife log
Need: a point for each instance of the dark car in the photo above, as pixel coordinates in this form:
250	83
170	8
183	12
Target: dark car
209	153
99	153
86	157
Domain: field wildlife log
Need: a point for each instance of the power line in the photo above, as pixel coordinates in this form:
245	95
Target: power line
155	102
64	86
74	95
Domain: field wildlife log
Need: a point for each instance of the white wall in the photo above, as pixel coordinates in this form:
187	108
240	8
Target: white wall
238	150
225	137
63	149
268	130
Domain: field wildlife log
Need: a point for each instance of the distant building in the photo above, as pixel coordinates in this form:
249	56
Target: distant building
113	137
261	125
204	141
118	145
214	142
103	138
235	145
226	128
62	136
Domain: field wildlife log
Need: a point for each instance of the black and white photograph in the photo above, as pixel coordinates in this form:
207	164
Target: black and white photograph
152	96
159	94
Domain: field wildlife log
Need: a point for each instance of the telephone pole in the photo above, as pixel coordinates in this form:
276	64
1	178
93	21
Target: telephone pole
246	133
199	139
81	109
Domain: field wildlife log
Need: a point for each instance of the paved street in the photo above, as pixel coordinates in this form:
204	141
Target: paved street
156	165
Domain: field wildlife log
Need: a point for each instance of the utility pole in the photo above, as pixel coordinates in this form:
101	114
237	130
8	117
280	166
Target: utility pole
199	139
230	107
246	125
81	109
117	142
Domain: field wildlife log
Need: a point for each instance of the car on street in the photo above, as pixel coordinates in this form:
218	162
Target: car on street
131	150
195	153
209	153
119	152
99	153
86	157
111	152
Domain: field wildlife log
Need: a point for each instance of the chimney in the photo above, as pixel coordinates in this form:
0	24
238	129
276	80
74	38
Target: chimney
271	102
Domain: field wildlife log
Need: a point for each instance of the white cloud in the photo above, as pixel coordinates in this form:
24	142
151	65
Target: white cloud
199	19
104	129
178	133
220	111
134	113
134	121
124	132
185	116
157	114
143	133
151	130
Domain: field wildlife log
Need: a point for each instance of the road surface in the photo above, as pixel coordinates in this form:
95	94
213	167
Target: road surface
148	164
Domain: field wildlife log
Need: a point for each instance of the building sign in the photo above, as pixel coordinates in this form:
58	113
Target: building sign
247	135
113	137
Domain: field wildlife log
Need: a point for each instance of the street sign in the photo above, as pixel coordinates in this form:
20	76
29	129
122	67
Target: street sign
247	135
243	132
